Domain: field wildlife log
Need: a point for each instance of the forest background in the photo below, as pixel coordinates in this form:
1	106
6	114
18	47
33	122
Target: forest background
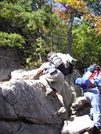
37	27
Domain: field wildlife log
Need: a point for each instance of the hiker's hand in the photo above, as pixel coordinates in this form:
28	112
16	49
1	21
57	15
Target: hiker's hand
38	73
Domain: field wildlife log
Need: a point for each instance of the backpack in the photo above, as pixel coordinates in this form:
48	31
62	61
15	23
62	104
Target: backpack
93	72
90	80
93	79
53	58
59	64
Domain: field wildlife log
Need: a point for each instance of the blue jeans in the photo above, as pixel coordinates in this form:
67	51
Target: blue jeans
94	97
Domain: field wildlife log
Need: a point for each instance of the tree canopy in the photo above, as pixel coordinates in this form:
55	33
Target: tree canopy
35	27
88	12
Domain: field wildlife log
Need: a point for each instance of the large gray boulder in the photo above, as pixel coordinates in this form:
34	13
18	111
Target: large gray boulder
24	109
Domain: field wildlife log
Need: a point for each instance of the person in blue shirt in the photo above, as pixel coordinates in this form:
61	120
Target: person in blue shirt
93	96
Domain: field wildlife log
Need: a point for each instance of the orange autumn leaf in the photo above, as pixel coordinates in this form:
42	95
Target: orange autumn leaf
74	6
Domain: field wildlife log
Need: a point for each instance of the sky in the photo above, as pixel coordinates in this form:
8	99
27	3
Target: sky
60	6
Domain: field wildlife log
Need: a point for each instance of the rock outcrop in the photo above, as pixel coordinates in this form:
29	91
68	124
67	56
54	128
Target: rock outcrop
10	59
24	109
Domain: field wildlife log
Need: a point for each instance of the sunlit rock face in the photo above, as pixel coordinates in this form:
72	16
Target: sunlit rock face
24	108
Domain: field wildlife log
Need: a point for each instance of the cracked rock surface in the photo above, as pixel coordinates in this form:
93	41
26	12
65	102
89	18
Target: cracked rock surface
24	109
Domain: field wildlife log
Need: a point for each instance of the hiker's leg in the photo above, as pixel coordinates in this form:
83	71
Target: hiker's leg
62	106
44	81
60	99
97	120
96	108
93	95
47	81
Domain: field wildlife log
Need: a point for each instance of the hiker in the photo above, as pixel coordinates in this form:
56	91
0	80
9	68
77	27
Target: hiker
54	71
52	75
92	93
91	78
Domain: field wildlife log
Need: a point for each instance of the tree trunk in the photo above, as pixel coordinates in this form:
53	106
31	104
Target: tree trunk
51	28
70	33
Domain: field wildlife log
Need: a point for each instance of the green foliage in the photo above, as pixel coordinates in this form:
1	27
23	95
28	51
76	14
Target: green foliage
39	51
59	31
30	30
20	16
11	40
86	46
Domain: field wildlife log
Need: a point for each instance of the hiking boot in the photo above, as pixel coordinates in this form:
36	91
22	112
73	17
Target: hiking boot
60	111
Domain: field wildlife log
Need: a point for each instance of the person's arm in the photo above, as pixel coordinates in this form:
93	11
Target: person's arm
38	72
46	65
43	67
